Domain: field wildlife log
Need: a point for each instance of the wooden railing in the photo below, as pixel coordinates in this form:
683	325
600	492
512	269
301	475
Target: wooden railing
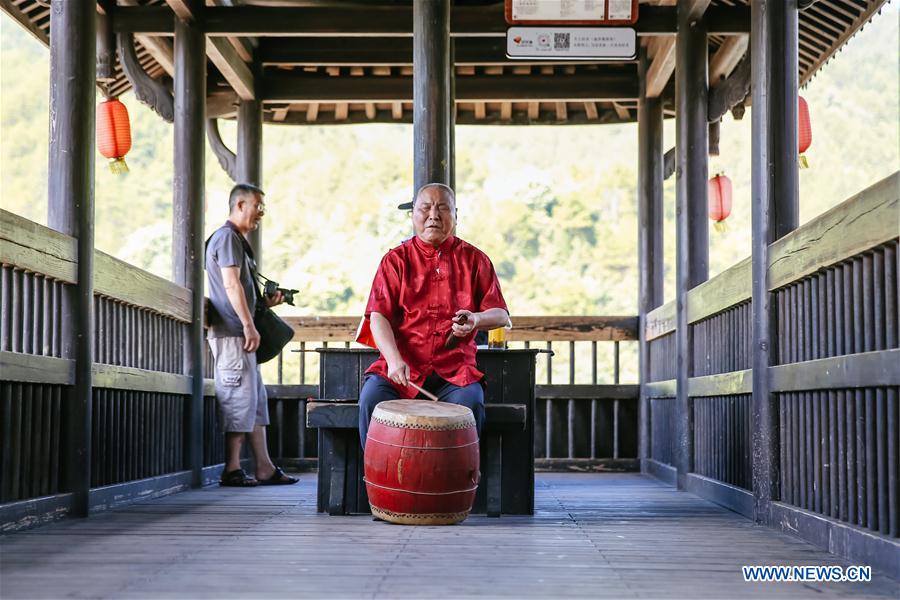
138	430
834	289
580	424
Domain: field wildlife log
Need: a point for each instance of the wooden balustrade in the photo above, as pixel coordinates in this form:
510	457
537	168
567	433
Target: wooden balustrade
140	378
834	290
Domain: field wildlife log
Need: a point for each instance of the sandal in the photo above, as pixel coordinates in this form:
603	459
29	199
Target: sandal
237	478
279	478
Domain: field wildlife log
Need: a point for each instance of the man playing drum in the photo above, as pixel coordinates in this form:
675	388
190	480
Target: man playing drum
429	297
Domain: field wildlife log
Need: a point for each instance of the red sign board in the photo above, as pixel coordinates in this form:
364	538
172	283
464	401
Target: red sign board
571	12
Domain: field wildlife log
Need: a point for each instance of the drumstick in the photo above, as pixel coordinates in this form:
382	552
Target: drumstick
425	392
452	340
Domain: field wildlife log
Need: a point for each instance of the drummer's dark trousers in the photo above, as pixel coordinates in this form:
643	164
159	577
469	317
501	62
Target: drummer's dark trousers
378	389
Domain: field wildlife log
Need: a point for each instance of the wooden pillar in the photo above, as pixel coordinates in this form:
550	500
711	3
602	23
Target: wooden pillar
71	211
187	238
650	233
451	103
431	92
692	229
784	201
249	158
769	97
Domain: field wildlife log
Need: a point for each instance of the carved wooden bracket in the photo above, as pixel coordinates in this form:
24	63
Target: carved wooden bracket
227	158
147	90
730	92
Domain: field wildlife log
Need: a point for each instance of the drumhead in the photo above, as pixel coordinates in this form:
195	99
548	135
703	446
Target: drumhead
423	414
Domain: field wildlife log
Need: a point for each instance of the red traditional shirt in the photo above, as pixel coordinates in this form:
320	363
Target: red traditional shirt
419	288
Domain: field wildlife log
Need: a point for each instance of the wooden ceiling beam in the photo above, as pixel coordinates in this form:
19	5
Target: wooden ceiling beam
233	69
183	9
663	64
384	21
727	57
382	52
621	85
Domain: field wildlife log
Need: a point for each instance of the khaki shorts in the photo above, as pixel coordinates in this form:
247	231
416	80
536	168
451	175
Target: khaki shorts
241	394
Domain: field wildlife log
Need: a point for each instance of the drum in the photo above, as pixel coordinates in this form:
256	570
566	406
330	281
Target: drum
421	462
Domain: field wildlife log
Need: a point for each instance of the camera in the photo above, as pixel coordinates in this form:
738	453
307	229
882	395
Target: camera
272	289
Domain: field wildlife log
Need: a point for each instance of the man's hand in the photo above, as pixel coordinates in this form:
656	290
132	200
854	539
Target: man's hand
251	337
464	326
398	371
275	300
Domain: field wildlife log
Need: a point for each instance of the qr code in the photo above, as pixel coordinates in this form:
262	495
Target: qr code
561	41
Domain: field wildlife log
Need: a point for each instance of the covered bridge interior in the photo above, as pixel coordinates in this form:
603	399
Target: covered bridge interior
764	427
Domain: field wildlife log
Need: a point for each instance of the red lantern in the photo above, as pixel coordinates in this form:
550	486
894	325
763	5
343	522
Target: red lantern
719	190
113	133
804	130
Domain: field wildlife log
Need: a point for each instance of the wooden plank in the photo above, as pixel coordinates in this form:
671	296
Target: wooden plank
856	225
384	21
722	384
33	247
11	8
345	414
38	249
660	321
587	391
122	494
587	465
25	514
661	471
588	328
31	368
660	389
865	220
852	543
613	83
119	280
661	68
129	378
236	72
731	497
727	57
866	369
727	289
292	392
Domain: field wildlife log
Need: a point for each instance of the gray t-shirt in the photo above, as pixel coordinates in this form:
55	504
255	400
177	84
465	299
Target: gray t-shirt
226	249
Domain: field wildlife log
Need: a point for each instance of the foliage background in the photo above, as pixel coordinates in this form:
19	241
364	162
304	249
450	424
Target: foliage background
554	207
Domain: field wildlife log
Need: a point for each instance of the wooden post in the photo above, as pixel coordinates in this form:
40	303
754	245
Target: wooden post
784	199
650	233
249	158
431	92
770	149
71	211
187	238
692	229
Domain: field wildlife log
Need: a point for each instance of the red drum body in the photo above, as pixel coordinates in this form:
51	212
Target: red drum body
421	462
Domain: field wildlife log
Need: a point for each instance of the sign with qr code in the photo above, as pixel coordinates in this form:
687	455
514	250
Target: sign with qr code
571	12
571	43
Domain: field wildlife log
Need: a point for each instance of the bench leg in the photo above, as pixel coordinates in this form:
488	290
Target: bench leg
494	474
337	466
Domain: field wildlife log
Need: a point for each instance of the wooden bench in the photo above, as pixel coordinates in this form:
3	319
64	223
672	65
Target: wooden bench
341	488
507	441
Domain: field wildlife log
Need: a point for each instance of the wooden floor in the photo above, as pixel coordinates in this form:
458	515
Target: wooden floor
594	535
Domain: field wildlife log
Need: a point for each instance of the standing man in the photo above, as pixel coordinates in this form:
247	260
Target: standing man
233	339
430	295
